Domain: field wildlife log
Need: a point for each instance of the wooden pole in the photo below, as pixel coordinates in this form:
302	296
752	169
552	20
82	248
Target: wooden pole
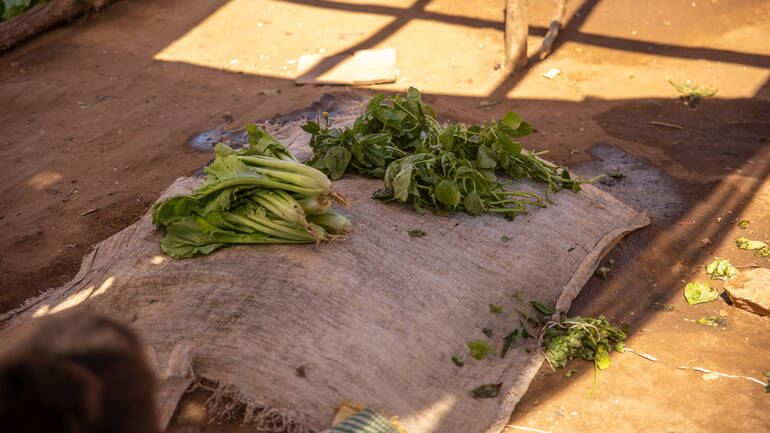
516	31
553	29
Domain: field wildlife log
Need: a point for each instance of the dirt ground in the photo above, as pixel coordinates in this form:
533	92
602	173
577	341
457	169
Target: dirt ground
96	116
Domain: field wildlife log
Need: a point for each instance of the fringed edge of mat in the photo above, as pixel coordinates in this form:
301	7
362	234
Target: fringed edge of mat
228	403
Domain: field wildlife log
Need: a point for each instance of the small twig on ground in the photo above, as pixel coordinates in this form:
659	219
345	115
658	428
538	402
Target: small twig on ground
670	125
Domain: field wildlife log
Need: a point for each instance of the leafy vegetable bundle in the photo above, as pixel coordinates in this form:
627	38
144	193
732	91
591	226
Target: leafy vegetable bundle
259	195
455	168
588	338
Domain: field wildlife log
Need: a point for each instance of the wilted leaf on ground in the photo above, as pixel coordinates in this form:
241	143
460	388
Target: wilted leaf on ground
712	321
760	247
416	233
479	349
490	390
697	293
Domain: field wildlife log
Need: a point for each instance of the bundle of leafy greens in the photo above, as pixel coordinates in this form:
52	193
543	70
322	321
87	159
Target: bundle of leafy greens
588	338
258	195
454	168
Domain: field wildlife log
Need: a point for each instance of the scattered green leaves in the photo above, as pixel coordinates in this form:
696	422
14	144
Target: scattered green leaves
458	361
416	233
761	248
743	224
569	373
479	349
698	293
490	390
495	309
720	268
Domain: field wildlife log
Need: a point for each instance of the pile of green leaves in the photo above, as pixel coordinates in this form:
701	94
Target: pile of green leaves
454	168
721	268
588	338
259	195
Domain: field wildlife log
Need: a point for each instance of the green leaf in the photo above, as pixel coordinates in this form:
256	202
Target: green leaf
416	233
569	373
509	341
494	309
446	193
505	238
485	158
402	183
602	358
263	144
712	321
512	120
721	268
473	204
336	160
16	7
311	128
603	272
479	349
490	390
542	308
512	148
488	332
743	224
458	362
697	293
515	126
746	244
375	103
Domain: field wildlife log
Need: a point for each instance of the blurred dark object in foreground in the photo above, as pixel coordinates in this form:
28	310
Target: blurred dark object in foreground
75	372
